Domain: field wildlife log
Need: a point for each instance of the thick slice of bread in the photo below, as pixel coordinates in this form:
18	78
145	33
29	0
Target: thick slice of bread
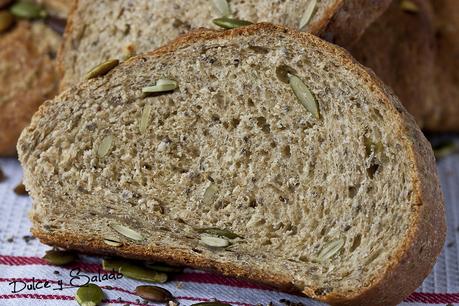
27	70
445	113
400	48
344	206
27	77
100	30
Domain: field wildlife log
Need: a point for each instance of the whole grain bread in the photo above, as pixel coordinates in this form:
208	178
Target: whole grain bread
100	30
400	48
27	73
344	206
445	113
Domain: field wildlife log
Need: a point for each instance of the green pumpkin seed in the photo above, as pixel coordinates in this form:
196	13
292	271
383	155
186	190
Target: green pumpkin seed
127	232
214	242
89	295
230	23
27	10
112	241
444	149
154	294
209	195
409	6
6	21
160	267
141	273
59	258
102	69
304	95
330	249
211	304
308	12
162	85
105	146
145	119
218	232
223	7
113	264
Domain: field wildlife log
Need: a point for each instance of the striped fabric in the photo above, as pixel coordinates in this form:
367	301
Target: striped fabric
25	279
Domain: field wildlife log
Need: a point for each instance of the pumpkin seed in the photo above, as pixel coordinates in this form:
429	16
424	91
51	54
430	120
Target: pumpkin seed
154	294
230	23
59	258
127	232
444	149
113	264
102	69
6	21
112	241
409	6
141	273
160	267
218	232
209	195
20	190
308	12
89	295
214	242
223	7
330	249
211	304
304	95
105	146
145	119
162	85
28	10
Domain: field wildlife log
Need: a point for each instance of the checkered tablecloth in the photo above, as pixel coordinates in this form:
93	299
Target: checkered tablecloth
21	263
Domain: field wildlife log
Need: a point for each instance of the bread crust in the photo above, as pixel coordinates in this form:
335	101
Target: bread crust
407	269
27	76
400	48
444	112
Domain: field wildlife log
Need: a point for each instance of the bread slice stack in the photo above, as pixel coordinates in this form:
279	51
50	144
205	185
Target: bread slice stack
133	27
259	152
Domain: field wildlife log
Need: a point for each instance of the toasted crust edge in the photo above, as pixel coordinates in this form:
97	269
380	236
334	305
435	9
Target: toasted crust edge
411	263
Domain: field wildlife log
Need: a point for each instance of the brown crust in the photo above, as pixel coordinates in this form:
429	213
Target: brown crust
27	78
411	263
400	48
444	112
348	20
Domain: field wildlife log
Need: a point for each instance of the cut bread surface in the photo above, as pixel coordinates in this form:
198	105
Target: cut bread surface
100	30
338	206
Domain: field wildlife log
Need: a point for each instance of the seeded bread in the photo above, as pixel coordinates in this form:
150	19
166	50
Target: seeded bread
100	30
445	113
27	70
400	48
27	77
344	206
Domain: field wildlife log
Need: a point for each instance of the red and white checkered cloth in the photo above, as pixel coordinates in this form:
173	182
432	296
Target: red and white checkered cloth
21	263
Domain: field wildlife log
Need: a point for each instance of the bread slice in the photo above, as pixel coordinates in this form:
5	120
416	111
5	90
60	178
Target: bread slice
28	76
445	112
400	48
343	205
100	30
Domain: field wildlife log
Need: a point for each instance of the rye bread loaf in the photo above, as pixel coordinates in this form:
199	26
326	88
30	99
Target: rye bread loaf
100	30
400	48
445	113
27	73
344	206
